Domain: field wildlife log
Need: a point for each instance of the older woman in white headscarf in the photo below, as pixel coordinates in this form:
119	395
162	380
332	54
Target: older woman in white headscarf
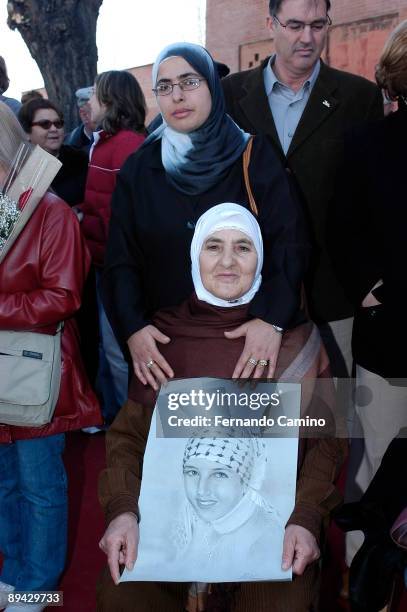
226	255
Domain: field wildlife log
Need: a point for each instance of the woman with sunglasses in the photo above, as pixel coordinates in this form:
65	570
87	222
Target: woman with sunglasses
192	162
43	122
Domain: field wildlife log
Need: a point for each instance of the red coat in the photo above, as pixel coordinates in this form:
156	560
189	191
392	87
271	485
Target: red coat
41	280
108	156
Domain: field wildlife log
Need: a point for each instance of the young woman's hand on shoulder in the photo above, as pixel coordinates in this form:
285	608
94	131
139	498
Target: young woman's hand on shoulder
150	367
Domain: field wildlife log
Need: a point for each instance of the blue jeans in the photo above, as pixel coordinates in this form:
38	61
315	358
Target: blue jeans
113	374
33	512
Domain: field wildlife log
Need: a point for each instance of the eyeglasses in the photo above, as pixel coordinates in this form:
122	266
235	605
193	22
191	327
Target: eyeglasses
45	124
293	25
188	84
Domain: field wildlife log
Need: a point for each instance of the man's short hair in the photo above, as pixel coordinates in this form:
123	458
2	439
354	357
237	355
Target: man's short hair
275	5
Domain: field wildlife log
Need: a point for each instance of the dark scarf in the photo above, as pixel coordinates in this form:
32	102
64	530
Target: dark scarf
197	161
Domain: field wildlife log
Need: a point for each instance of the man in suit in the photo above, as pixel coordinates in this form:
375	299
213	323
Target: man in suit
305	107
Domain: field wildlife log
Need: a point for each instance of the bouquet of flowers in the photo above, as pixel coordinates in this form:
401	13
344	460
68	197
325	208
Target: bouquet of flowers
29	177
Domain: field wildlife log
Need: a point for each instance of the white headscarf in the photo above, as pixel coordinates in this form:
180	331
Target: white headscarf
225	216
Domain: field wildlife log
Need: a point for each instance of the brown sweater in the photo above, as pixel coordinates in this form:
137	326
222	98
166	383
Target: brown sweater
198	348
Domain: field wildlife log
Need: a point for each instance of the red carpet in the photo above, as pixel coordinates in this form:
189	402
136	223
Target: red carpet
84	459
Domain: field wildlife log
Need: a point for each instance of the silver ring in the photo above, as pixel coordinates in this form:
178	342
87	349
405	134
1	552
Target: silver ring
252	361
150	364
263	362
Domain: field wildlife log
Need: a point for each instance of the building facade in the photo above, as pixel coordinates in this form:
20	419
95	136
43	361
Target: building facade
236	32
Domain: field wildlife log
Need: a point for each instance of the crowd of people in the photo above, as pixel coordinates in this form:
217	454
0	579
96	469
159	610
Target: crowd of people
256	229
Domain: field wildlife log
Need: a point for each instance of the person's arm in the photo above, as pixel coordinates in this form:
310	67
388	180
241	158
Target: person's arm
120	543
119	485
317	494
60	285
122	288
300	548
276	306
127	143
285	239
107	160
120	482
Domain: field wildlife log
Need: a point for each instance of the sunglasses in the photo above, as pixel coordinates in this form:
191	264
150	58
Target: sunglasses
45	124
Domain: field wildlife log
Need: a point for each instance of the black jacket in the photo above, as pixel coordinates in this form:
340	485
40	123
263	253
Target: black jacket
147	264
369	224
69	183
338	100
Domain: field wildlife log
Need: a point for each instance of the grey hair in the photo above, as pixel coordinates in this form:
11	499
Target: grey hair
11	136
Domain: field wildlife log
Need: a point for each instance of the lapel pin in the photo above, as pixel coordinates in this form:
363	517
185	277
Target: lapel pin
326	103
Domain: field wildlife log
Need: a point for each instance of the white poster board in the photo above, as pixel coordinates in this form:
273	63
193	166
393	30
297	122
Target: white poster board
213	509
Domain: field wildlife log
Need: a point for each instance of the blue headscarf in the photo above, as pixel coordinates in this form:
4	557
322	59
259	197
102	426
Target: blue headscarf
197	161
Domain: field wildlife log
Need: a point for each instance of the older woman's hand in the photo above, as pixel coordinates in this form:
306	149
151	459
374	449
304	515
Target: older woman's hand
149	365
300	548
262	343
120	543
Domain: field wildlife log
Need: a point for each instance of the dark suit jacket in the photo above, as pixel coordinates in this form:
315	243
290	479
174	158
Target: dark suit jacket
369	215
338	101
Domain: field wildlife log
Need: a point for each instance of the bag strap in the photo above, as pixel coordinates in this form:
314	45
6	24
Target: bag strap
246	161
255	210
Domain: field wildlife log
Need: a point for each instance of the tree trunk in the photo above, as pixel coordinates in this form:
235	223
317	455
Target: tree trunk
61	37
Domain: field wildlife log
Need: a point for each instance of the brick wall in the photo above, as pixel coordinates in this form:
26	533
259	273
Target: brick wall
236	32
356	47
232	23
344	11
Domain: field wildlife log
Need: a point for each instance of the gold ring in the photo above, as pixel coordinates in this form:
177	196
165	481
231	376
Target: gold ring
263	362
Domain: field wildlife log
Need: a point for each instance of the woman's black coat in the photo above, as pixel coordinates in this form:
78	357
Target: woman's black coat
368	226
